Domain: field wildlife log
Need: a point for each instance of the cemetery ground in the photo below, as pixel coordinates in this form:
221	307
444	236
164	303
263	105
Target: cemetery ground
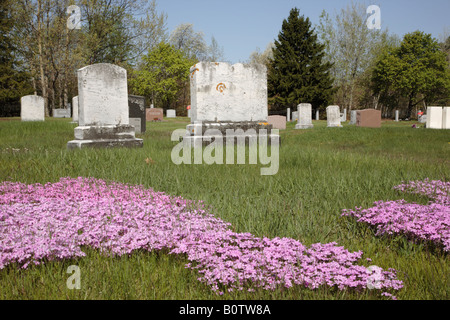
321	172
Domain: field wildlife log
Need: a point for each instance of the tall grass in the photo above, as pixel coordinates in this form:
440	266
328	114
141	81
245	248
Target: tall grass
321	171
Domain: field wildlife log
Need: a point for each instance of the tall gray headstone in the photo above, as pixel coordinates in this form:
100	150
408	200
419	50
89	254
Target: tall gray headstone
317	114
333	117
397	115
103	109
304	116
288	115
32	108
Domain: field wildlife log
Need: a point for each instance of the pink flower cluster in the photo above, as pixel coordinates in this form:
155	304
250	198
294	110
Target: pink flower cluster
54	221
429	222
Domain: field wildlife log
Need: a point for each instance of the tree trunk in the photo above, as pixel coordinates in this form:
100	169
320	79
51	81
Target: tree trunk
41	59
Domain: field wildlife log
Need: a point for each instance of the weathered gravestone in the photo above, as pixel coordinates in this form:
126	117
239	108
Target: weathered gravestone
446	118
288	114
304	116
352	117
434	118
333	117
136	105
228	98
171	113
277	122
32	108
103	109
75	109
317	114
294	115
397	115
344	116
369	118
61	113
154	114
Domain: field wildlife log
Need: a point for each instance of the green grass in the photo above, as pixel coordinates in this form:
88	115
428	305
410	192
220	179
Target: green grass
321	171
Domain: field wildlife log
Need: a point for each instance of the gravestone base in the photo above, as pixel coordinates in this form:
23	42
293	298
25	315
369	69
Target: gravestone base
105	137
243	132
304	126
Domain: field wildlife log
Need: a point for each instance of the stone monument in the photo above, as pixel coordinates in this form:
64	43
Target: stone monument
32	108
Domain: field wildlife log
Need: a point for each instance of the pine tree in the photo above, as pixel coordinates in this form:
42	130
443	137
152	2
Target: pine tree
298	73
14	83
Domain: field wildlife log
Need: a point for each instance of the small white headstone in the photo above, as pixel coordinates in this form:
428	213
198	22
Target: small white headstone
294	115
333	116
171	113
32	108
288	114
397	115
304	116
317	114
434	118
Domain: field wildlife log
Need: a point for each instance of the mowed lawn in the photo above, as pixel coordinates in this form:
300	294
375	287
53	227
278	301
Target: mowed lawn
321	172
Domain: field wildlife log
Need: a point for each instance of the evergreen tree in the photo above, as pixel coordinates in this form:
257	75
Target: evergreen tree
298	72
14	83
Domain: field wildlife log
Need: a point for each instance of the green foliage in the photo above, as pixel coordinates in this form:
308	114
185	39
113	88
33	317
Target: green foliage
417	70
163	74
297	72
14	82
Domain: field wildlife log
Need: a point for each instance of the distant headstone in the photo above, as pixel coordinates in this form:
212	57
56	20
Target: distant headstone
304	116
397	115
352	117
103	109
277	122
369	118
446	118
333	117
294	115
189	113
434	118
61	113
171	113
154	114
344	116
75	109
32	108
317	114
225	97
136	111
288	114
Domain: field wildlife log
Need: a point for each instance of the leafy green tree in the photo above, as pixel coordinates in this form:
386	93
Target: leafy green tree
297	73
163	73
417	71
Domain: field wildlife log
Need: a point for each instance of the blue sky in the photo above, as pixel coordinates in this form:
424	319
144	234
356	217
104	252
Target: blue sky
241	26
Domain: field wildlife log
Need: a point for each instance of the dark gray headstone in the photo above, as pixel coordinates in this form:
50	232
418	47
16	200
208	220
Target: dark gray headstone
136	105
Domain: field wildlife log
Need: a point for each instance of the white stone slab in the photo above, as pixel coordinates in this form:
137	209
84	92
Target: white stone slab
434	118
32	108
171	113
61	113
333	116
228	93
352	117
288	114
446	118
102	95
294	115
75	109
304	116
